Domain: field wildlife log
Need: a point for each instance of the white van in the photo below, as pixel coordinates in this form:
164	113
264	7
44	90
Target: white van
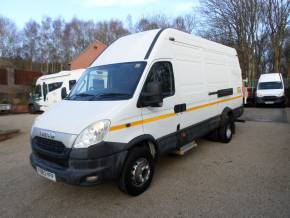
148	94
52	88
270	89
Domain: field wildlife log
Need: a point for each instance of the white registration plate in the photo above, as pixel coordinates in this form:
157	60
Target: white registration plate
269	102
46	174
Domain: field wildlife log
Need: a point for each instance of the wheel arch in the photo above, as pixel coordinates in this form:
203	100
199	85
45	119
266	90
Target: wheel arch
147	140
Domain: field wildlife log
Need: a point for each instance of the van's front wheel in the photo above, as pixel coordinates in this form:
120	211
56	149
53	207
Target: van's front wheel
137	172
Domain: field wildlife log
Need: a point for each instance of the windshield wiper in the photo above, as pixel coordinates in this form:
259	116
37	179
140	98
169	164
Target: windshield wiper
82	94
111	94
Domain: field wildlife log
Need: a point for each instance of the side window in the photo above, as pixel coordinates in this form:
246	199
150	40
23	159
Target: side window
71	84
54	86
163	72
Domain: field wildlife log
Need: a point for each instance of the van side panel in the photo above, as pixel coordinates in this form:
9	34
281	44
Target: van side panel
190	84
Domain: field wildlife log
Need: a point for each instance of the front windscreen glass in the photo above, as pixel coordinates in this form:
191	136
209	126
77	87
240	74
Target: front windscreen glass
37	91
270	85
108	82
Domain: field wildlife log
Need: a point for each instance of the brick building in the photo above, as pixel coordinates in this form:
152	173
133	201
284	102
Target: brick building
86	58
16	82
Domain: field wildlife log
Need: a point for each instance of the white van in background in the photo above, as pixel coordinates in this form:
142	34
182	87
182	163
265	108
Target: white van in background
51	88
147	94
270	89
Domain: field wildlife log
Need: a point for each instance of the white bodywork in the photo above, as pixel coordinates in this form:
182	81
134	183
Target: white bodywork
200	67
54	96
270	77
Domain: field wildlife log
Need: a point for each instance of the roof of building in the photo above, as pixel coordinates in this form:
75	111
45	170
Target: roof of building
88	56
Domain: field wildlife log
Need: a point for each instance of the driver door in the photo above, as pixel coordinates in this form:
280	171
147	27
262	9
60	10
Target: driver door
162	122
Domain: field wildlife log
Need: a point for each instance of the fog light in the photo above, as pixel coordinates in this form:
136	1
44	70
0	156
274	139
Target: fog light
92	178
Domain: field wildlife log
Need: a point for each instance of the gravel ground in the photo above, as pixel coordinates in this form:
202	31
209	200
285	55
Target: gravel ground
249	177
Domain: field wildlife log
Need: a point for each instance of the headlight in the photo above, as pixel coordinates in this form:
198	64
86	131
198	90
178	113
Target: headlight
259	95
280	94
93	134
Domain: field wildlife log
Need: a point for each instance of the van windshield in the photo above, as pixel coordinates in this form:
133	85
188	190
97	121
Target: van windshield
270	85
37	91
108	82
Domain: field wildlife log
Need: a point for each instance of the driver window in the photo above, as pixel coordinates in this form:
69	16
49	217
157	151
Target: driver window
163	73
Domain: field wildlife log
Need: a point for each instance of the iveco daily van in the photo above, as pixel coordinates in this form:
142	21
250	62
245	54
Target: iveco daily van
147	94
270	89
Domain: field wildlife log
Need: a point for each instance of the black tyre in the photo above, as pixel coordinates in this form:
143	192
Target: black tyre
31	109
137	171
226	130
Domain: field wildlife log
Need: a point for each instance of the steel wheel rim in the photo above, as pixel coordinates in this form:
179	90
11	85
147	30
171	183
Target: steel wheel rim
228	131
140	172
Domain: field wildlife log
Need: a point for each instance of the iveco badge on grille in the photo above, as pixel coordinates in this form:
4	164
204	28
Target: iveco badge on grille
47	134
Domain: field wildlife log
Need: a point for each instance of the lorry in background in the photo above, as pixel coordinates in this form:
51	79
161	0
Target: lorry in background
270	89
129	108
52	88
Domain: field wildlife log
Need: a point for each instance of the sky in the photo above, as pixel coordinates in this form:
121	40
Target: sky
21	11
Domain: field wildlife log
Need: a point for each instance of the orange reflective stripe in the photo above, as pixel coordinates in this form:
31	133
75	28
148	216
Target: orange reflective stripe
164	116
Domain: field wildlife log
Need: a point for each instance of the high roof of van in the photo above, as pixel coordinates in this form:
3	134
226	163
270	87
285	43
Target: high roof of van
269	77
154	44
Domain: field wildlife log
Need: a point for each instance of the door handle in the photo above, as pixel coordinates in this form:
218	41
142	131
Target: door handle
222	92
212	93
180	108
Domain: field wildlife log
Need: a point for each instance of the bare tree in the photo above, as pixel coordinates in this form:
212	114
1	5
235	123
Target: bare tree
9	38
31	46
186	23
277	13
152	22
109	31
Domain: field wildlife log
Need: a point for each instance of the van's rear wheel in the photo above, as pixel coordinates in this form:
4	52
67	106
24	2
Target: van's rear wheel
137	172
226	130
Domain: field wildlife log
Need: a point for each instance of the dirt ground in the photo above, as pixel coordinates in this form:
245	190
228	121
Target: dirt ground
249	177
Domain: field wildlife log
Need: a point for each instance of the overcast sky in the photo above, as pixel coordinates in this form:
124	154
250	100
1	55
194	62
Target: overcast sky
22	11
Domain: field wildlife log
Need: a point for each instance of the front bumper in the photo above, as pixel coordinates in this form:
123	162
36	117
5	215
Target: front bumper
77	171
270	99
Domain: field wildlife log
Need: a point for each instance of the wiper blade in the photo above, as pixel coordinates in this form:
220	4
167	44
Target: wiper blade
83	94
111	94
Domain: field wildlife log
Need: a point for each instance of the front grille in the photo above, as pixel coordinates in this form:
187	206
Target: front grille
58	161
269	98
51	150
49	145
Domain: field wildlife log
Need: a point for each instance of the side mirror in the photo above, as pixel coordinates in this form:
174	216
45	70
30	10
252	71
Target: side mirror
152	95
63	93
